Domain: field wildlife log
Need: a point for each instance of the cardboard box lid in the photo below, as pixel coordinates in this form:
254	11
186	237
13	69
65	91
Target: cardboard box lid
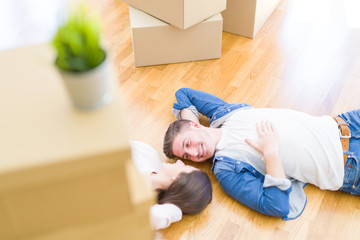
180	13
140	19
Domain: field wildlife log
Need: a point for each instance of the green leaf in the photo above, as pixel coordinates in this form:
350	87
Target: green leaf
77	41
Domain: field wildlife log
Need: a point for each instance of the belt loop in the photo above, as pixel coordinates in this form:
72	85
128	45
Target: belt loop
344	132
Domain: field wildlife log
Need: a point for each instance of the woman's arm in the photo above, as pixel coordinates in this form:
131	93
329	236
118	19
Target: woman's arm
163	215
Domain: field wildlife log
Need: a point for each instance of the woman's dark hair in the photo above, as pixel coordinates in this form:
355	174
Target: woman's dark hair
191	192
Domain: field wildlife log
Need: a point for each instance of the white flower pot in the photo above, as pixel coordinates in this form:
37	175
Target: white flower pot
91	89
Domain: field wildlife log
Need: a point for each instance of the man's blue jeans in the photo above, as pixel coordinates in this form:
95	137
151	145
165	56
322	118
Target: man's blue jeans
352	167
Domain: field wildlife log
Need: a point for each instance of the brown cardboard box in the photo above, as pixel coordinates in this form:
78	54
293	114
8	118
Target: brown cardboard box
246	17
64	173
156	42
179	13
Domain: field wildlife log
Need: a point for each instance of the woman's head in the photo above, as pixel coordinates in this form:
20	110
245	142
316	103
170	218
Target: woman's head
169	172
191	191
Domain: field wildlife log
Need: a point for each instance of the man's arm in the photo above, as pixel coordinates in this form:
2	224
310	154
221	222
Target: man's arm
247	188
269	196
196	101
189	115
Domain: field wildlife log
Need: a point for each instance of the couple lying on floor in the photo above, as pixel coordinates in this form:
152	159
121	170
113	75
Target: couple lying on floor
262	158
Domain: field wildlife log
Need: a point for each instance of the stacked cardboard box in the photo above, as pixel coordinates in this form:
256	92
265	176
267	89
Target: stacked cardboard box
246	17
170	31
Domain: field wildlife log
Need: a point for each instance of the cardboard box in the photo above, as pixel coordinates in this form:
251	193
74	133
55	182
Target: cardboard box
156	42
64	174
179	13
246	17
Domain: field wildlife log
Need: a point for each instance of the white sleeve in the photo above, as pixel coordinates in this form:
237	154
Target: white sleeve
192	108
282	183
163	215
145	157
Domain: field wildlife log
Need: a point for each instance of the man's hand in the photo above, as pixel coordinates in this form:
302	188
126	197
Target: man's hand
268	145
268	138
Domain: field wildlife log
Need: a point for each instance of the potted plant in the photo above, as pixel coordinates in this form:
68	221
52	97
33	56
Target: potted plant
82	61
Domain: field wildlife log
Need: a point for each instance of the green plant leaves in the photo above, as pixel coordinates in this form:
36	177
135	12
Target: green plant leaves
77	42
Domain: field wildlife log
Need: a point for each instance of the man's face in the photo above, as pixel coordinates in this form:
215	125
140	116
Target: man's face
194	143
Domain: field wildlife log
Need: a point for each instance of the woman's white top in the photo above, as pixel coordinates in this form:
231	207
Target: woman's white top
147	160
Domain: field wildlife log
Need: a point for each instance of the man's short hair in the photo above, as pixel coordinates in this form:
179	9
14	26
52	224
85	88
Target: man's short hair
172	131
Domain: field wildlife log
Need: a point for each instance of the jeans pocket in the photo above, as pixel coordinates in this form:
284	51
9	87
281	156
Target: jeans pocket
350	171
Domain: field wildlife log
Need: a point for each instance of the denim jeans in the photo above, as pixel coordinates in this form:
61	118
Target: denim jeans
352	167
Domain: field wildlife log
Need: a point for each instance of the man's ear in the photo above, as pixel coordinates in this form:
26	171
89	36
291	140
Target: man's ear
195	125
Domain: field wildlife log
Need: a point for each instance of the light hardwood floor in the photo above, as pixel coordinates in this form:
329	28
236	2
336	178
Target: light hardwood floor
306	57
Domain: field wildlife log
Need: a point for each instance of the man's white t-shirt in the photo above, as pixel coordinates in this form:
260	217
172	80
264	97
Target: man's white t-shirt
310	147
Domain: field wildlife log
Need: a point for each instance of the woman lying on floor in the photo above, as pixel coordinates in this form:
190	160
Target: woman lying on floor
182	189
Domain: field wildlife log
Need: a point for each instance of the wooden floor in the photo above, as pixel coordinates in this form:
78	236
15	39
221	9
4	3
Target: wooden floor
306	57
